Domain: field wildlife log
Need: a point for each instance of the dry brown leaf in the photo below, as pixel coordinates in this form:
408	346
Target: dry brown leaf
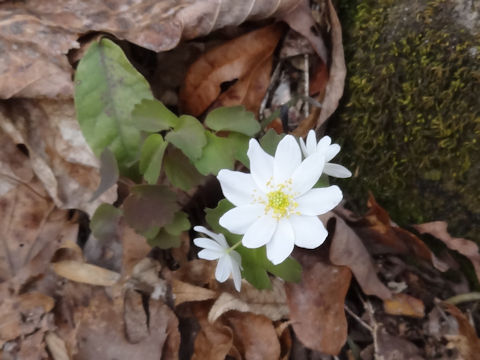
102	322
317	302
185	292
383	236
466	341
270	303
232	60
85	273
56	346
348	250
254	336
388	347
405	305
465	247
36	34
213	341
58	152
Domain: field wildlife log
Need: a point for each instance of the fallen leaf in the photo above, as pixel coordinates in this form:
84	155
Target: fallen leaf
56	346
465	247
254	336
37	35
466	341
317	303
85	273
383	236
232	60
185	292
348	250
57	151
270	303
213	341
405	305
388	347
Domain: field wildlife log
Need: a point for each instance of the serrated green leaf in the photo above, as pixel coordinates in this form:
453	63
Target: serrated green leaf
179	224
235	118
149	206
104	222
180	171
165	240
153	116
107	87
151	157
188	135
217	154
270	140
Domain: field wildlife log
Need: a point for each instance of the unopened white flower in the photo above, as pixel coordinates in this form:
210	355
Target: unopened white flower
275	204
329	150
217	248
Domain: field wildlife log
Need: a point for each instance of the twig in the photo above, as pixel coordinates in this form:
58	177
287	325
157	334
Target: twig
356	317
458	299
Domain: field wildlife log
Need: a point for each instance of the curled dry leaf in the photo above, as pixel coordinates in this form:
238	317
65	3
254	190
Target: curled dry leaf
57	151
270	303
246	58
348	250
405	305
56	346
383	236
213	341
466	341
36	35
254	336
465	247
185	292
317	303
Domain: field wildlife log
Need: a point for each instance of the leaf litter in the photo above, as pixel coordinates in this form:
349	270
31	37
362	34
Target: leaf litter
364	292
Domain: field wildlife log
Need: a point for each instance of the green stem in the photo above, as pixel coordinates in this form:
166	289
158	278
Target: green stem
234	246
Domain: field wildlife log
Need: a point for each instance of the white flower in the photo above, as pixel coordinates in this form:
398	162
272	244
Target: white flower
229	261
329	151
275	204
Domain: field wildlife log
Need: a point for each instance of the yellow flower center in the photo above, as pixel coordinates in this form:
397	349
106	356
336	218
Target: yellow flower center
278	202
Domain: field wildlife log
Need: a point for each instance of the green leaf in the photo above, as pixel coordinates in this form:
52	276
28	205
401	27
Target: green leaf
108	173
149	206
179	224
270	140
217	155
180	171
235	118
239	144
104	222
153	116
189	136
107	87
151	157
256	275
165	240
289	270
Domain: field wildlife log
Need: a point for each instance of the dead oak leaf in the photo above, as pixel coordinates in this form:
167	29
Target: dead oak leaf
465	247
404	305
317	303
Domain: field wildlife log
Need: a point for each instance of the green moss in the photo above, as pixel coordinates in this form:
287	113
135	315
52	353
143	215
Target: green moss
410	121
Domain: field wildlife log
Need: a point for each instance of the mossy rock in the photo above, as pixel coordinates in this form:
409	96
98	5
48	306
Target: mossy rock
410	119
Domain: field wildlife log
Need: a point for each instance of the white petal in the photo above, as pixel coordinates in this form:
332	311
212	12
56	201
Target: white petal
261	164
281	245
204	230
287	158
208	254
236	274
336	170
237	187
303	147
239	219
307	174
224	268
319	201
311	142
309	231
332	151
260	232
209	244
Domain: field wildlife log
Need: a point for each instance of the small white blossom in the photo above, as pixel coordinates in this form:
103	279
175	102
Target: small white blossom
275	204
229	261
329	150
